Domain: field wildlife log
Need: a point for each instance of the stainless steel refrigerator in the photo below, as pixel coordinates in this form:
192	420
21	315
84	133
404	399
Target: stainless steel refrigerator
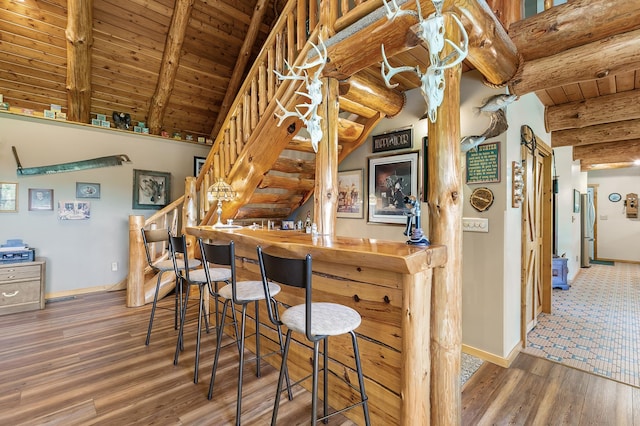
587	220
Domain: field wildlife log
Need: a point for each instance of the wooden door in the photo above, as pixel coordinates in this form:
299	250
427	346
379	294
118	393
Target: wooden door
536	231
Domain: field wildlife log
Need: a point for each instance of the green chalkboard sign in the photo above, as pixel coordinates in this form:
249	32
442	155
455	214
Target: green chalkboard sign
483	165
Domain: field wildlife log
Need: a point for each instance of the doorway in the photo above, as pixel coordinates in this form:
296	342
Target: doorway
537	224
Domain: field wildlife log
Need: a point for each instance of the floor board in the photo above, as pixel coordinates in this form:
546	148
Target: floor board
83	362
535	391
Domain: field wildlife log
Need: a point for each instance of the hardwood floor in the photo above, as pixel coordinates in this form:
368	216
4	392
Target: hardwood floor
83	362
535	391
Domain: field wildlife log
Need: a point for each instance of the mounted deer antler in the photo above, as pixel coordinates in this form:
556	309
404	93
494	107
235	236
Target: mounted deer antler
313	84
432	33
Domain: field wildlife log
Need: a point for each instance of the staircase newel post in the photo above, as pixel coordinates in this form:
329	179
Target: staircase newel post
137	263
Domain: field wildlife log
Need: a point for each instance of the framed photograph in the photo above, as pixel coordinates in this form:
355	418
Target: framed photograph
391	179
151	190
74	210
40	199
8	197
198	162
576	201
350	194
87	190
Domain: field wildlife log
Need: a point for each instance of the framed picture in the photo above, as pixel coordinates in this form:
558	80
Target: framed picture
74	210
8	197
576	201
151	190
391	179
40	199
198	162
87	190
350	194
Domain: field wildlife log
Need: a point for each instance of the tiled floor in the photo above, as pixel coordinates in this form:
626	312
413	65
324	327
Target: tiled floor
595	325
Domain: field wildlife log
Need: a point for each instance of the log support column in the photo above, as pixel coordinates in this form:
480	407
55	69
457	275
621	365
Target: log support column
445	227
326	187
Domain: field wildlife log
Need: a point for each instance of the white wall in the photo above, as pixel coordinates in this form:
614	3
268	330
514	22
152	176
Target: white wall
618	236
79	253
491	272
570	178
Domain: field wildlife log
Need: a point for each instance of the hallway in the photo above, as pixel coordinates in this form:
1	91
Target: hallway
594	326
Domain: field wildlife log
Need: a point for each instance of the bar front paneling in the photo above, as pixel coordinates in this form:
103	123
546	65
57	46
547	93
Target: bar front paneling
374	277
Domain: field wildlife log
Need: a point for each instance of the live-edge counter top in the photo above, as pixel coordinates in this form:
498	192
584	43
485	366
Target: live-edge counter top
397	256
388	283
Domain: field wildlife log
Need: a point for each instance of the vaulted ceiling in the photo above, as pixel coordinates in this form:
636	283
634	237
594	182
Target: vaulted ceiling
589	83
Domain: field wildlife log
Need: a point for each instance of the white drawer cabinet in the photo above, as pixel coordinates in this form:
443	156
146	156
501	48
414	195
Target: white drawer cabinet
21	286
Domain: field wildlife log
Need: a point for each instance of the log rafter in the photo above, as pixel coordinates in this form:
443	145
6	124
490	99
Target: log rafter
170	63
239	68
79	34
601	133
622	152
603	109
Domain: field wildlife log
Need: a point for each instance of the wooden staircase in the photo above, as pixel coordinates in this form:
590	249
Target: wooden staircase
272	168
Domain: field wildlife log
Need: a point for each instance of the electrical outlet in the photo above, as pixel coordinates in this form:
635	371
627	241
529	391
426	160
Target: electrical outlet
114	266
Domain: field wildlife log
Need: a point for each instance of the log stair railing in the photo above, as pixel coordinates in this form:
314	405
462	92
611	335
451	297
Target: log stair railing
271	167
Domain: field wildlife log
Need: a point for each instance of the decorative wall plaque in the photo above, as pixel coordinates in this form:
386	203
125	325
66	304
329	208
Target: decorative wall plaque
481	199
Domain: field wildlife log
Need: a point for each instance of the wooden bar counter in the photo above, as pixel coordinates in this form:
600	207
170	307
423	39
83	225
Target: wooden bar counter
388	283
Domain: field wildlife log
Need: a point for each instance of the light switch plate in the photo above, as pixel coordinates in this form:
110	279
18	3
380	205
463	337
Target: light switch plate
475	224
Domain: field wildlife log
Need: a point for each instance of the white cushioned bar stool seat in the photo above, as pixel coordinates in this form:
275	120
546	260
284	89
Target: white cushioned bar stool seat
327	319
316	321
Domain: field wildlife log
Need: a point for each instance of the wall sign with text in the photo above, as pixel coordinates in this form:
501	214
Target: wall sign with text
400	139
483	164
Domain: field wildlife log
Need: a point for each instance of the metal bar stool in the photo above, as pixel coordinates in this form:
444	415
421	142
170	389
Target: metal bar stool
153	236
199	277
317	321
238	293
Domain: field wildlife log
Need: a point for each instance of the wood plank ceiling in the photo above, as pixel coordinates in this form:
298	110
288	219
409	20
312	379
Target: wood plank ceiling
130	39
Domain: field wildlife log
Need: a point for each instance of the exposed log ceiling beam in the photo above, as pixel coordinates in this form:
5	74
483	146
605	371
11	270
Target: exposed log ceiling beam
356	108
241	63
603	153
369	92
580	64
600	133
575	23
491	51
588	167
600	110
507	11
170	62
490	48
79	35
